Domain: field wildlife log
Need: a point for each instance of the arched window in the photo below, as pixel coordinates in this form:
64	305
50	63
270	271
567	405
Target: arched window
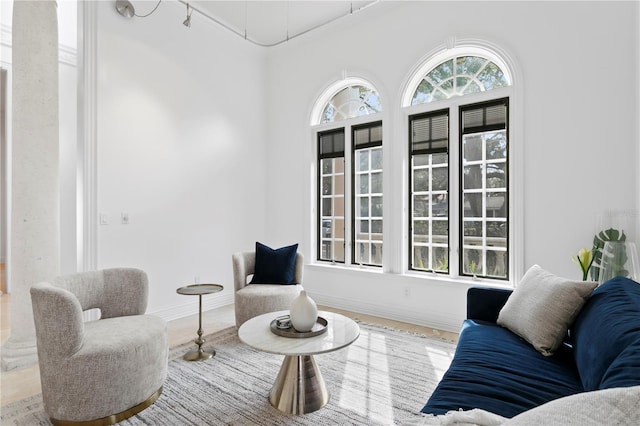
348	135
457	105
350	102
459	76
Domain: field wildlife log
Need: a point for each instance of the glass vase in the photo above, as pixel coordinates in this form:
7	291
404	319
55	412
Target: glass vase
619	259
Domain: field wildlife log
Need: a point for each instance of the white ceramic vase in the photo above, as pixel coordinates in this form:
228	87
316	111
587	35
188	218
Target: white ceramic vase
304	312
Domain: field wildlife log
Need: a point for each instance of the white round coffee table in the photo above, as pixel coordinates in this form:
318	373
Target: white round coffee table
299	387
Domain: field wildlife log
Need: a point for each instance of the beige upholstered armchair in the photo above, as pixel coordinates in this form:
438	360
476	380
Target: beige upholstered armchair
255	299
104	370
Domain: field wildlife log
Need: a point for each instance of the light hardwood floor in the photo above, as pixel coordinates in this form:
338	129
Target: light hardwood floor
21	383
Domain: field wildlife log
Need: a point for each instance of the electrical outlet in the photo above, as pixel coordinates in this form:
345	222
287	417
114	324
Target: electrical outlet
104	218
407	292
124	218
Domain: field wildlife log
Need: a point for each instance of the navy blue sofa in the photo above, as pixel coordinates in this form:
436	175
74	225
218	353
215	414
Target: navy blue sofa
495	370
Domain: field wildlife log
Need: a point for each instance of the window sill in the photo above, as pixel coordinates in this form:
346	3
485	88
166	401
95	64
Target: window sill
419	276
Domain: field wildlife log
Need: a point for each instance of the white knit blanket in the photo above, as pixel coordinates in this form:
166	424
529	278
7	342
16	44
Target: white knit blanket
617	406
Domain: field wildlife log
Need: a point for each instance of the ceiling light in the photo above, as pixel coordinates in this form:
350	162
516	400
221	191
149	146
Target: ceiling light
187	22
125	8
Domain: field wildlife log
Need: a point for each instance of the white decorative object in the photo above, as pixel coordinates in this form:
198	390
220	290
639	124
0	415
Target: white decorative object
304	312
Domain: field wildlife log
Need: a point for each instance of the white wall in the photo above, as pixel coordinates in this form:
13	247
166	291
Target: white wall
579	103
181	148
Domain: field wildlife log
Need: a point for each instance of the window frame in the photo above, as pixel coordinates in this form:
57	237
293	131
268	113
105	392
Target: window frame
319	176
508	219
453	104
347	125
354	149
410	186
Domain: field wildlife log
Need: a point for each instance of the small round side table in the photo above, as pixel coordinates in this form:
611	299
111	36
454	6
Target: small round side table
199	290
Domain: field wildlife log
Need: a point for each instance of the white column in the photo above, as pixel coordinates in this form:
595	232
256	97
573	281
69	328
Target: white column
35	221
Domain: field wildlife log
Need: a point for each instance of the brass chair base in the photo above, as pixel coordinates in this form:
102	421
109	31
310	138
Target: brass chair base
198	355
299	387
114	418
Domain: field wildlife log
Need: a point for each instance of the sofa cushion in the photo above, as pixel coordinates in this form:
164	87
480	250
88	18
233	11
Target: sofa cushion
488	372
275	266
606	336
543	306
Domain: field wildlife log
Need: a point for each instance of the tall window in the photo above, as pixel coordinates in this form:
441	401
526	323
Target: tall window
485	190
332	189
429	140
367	189
461	136
350	178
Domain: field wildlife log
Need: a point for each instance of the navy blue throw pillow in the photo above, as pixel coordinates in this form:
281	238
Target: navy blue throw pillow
275	266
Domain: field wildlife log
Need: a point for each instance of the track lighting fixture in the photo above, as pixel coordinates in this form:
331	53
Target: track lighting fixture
187	22
126	9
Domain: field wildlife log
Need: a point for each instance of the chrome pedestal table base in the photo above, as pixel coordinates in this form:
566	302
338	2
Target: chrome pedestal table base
299	387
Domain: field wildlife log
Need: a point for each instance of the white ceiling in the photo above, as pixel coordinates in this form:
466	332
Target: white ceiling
272	22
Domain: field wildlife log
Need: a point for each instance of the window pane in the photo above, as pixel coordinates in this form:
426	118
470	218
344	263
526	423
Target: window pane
376	206
327	166
492	77
338	185
496	263
421	229
472	147
376	254
327	185
440	158
440	179
422	160
497	230
376	183
421	206
339	227
496	204
327	207
472	177
331	220
440	259
470	74
376	159
367	205
362	254
430	237
485	190
362	162
440	205
362	181
364	207
472	262
421	258
350	102
497	175
441	228
421	180
473	229
496	146
339	206
473	205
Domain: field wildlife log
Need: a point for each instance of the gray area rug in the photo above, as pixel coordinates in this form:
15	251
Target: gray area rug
384	378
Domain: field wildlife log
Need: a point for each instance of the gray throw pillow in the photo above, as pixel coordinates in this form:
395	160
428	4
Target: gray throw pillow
542	308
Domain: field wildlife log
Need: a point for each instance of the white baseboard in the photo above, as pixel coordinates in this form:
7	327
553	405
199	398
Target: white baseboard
419	317
190	307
